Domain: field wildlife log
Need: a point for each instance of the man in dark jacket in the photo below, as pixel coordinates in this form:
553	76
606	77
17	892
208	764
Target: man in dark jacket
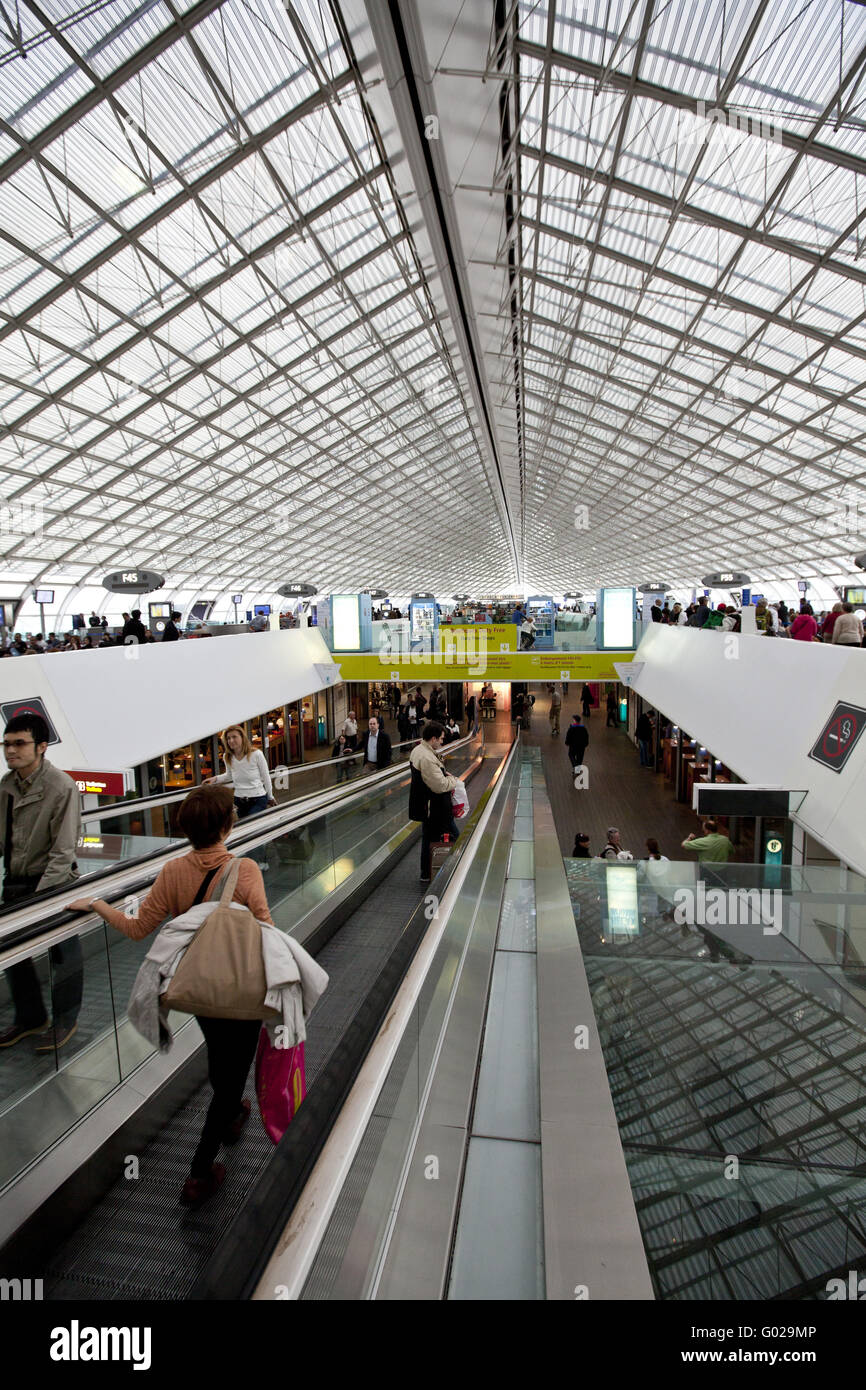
701	613
576	740
134	630
375	746
643	733
170	632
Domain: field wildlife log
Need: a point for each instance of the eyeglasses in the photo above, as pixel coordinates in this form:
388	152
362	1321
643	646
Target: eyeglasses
17	743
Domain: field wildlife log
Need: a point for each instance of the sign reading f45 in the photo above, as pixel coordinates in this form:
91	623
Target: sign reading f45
836	741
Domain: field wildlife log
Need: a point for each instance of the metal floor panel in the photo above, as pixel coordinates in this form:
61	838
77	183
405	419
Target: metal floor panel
138	1242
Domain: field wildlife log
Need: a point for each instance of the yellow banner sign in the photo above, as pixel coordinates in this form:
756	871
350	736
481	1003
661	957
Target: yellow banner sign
481	665
472	637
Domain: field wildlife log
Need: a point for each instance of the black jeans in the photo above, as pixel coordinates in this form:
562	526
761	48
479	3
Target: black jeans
231	1047
67	974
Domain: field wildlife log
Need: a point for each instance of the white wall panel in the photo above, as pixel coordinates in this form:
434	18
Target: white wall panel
760	705
116	707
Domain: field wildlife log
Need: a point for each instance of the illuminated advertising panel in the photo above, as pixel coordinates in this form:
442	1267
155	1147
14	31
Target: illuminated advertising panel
346	623
616	619
622	905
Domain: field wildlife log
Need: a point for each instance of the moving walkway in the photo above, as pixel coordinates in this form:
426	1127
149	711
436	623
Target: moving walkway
75	1209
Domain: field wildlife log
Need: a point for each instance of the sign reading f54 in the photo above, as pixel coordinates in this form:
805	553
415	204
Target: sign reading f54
836	741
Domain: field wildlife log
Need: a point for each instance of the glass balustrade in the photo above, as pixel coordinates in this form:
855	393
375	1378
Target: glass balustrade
52	1078
731	1006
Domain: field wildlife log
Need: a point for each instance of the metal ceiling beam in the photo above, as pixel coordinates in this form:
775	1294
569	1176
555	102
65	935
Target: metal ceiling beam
690	212
130	237
692	341
707	293
397	38
149	51
666	96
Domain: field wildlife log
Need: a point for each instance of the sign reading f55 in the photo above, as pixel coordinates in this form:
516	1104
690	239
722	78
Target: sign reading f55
837	739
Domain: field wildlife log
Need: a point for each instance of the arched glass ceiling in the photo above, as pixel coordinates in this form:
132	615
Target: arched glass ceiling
226	352
690	220
219	355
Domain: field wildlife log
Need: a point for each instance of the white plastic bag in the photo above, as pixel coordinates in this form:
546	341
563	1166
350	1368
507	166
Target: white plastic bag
459	801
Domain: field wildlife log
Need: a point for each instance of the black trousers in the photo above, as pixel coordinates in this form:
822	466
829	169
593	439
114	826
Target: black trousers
231	1048
67	974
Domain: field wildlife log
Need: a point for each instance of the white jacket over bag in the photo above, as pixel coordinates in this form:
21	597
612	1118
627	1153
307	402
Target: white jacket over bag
294	980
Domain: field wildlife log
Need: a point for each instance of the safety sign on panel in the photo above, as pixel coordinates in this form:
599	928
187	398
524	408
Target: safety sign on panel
836	741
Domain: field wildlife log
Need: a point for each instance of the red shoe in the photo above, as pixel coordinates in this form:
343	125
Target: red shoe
236	1128
198	1190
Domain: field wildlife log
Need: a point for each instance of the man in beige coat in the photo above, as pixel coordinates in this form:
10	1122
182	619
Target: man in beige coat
430	793
40	826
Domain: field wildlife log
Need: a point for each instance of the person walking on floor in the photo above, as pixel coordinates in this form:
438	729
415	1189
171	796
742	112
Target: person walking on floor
613	849
40	826
576	741
611	710
586	700
643	733
712	847
555	708
472	715
349	727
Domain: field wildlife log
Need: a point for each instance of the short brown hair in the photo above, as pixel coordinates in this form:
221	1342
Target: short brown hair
711	826
206	814
432	730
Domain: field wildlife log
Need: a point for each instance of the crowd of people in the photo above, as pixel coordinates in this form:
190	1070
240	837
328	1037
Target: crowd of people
98	634
713	846
839	626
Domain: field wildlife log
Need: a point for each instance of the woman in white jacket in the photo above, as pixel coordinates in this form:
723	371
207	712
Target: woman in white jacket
247	771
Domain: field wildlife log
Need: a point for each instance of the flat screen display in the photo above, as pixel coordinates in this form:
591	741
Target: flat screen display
160	610
622	905
236	598
346	622
423	620
616	627
44	595
262	610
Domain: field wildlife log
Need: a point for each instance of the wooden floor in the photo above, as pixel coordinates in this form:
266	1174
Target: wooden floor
620	791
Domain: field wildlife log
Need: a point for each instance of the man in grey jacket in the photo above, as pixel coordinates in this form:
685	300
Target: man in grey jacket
40	825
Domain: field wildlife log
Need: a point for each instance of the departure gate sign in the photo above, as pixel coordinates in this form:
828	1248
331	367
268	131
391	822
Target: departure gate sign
837	739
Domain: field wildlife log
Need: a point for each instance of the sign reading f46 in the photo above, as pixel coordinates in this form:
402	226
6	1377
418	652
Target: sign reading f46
836	741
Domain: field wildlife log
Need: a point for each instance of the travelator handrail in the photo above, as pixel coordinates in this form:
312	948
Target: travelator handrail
242	1256
141	804
25	924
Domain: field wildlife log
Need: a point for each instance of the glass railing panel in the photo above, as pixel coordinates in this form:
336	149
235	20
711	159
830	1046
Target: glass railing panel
50	1079
47	1084
366	1203
97	852
732	1015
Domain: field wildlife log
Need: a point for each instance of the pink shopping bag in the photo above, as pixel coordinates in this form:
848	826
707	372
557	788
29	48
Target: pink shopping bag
280	1084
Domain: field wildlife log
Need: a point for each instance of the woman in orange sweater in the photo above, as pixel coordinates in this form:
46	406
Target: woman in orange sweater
206	817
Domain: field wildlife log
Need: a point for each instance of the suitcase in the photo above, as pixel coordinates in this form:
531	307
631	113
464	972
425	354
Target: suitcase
439	852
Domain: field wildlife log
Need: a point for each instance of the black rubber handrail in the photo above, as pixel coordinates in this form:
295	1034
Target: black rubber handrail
295	814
